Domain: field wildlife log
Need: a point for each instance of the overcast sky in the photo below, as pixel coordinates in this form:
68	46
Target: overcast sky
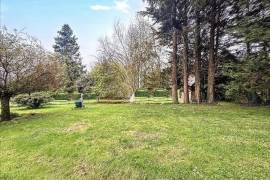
89	19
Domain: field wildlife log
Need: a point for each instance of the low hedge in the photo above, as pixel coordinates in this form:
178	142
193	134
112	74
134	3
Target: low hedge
156	93
74	96
60	96
161	93
89	96
142	93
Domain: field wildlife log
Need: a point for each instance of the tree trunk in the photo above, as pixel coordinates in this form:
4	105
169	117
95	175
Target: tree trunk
197	58
174	68
211	62
247	43
5	109
185	67
186	55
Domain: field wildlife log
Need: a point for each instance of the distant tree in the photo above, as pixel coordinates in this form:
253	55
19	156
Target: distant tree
85	83
165	78
66	44
153	79
21	61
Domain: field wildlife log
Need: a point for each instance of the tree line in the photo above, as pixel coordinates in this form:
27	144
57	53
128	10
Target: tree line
224	43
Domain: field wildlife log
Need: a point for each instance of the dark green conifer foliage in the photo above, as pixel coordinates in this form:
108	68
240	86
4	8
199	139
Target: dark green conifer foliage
66	44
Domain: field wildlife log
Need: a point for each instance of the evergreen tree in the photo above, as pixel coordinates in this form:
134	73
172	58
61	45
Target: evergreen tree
250	78
210	36
66	44
165	12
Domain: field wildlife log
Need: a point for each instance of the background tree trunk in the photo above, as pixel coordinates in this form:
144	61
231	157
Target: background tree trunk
5	108
211	62
174	68
185	67
186	54
197	58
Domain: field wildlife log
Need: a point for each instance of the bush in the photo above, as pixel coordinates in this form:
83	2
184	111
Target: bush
142	93
161	93
34	100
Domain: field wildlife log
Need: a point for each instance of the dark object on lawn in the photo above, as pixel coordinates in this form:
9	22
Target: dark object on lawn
79	104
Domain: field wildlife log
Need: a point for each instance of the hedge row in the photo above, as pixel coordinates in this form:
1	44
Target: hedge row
161	93
156	93
142	93
88	96
74	96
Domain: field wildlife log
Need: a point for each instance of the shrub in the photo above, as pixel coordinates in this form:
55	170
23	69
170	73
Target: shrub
142	93
161	93
34	100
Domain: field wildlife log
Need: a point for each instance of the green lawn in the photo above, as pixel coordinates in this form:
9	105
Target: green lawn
136	141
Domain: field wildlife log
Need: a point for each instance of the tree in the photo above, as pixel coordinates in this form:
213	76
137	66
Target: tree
66	45
249	75
164	13
108	80
211	60
134	48
49	70
153	79
183	10
21	58
197	8
220	32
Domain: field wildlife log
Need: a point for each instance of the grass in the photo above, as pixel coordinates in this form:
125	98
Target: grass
145	140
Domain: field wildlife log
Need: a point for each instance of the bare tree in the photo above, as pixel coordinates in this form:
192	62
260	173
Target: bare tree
134	48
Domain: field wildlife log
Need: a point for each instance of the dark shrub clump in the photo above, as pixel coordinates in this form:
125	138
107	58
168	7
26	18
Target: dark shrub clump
34	100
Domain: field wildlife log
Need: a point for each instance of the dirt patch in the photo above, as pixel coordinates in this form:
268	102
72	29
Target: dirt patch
80	127
82	170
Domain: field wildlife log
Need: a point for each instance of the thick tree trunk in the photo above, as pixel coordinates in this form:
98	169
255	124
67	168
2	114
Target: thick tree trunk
174	68
5	108
211	61
197	59
185	67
